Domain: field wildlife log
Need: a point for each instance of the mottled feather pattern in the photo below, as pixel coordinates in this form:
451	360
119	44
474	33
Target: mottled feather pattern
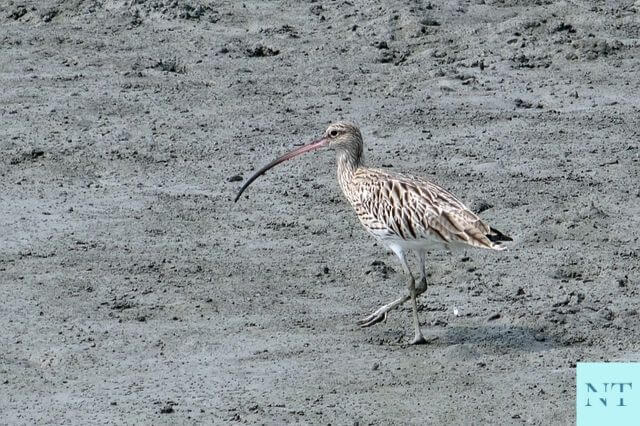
397	206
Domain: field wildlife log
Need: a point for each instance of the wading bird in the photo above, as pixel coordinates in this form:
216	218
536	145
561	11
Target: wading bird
403	212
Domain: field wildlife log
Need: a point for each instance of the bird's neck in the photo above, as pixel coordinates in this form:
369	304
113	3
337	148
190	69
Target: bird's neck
349	160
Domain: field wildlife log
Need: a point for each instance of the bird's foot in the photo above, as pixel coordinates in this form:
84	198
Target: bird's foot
381	313
418	339
374	318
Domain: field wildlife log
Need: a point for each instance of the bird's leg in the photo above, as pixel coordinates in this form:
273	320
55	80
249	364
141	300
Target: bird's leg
381	313
422	285
418	338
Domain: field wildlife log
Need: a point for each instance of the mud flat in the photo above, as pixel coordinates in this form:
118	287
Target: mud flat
135	291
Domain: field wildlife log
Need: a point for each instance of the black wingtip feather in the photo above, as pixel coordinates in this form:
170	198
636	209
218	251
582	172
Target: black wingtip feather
496	236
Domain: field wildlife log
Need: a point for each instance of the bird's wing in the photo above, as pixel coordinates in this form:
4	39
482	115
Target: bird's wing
413	208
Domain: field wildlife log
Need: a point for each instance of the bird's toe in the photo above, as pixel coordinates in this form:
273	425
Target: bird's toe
372	319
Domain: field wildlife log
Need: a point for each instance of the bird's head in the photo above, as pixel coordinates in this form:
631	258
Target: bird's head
340	136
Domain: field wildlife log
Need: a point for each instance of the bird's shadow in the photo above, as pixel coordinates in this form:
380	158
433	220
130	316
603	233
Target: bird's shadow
492	337
500	336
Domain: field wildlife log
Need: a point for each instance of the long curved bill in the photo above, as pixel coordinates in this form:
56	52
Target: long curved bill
305	148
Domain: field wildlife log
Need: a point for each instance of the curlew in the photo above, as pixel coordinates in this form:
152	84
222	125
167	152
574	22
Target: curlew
403	212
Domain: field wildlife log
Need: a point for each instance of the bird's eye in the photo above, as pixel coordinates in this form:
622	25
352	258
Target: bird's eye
333	133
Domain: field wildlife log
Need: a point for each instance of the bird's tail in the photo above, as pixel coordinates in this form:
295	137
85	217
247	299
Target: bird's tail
498	237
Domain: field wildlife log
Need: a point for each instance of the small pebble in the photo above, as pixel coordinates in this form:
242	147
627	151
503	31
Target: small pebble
494	316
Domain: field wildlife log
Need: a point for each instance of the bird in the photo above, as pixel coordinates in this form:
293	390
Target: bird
403	212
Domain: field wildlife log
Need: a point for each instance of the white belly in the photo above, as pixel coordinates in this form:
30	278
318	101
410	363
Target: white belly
425	243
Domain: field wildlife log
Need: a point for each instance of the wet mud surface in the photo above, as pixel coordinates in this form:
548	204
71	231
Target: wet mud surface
135	291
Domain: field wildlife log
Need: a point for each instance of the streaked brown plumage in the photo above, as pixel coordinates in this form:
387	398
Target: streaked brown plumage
403	212
413	209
